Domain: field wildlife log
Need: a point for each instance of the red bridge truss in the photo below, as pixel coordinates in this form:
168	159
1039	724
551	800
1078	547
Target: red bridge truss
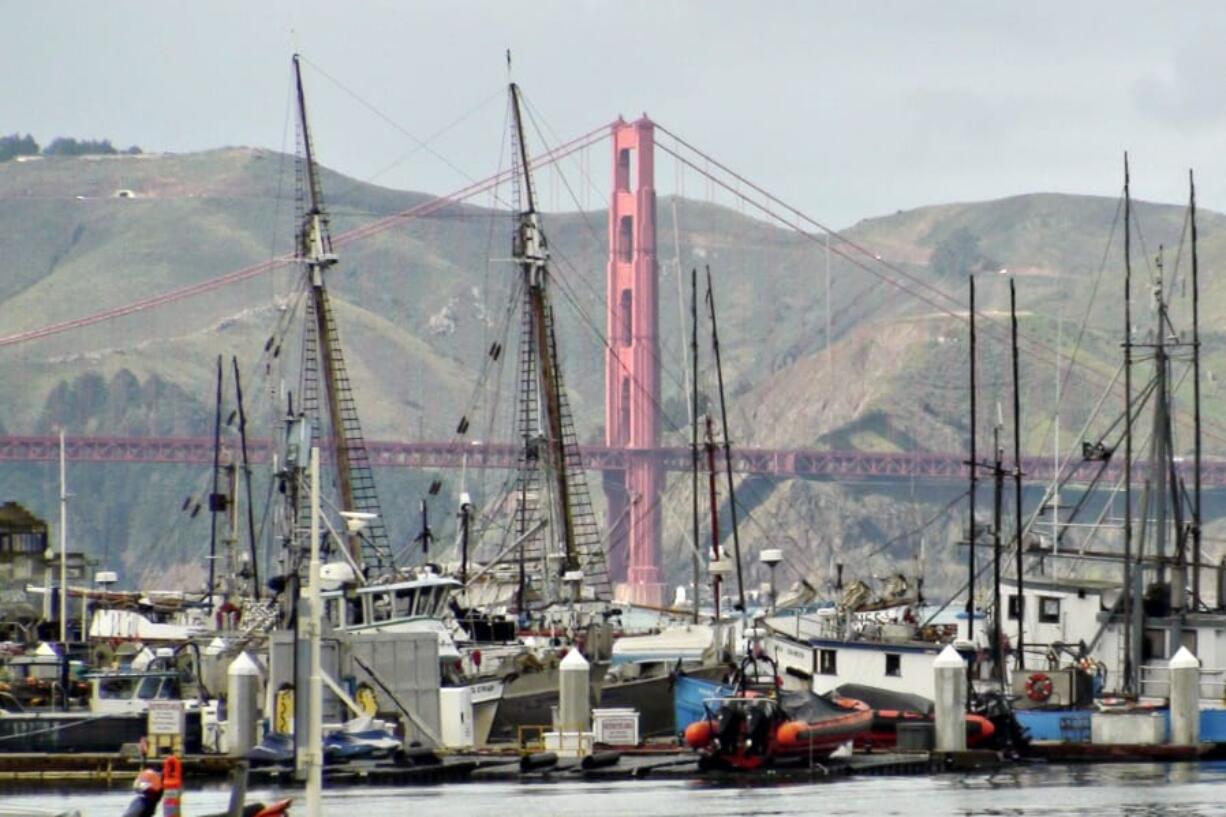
767	462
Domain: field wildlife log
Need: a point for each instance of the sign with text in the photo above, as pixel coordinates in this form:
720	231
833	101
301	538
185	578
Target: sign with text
165	718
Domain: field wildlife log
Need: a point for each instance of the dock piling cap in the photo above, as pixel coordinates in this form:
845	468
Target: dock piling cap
243	665
1184	659
574	660
948	658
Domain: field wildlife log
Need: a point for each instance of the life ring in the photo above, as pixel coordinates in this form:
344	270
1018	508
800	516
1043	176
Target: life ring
1039	687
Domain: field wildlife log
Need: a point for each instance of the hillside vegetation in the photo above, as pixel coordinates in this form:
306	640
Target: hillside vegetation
421	303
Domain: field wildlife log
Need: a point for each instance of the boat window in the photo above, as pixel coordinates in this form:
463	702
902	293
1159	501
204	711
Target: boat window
893	664
1049	610
405	599
1153	645
1187	639
826	663
149	688
1014	605
116	688
440	601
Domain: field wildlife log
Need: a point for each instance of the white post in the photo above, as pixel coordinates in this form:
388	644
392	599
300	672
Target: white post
314	793
950	671
242	705
1185	698
574	701
63	548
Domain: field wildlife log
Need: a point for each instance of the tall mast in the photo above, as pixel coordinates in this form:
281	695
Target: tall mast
367	548
723	410
694	426
1196	464
246	462
545	423
1131	638
716	576
1017	474
216	505
970	566
998	495
318	255
532	256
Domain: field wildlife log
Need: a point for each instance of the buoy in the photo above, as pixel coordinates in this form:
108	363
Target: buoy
172	785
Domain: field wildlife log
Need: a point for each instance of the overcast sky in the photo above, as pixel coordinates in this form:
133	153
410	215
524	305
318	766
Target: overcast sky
847	110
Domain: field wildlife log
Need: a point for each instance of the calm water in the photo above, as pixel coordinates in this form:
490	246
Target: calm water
1121	789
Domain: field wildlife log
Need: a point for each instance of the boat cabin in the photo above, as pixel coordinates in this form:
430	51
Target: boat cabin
126	692
385	606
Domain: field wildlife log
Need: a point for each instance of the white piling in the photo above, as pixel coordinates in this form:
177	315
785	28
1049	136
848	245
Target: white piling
950	672
242	705
1185	698
574	701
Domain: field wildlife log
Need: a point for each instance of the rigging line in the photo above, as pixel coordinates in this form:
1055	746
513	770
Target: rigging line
557	169
748	485
804	217
989	325
1085	320
921	528
532	113
421	144
596	238
1183	234
1016	542
349	236
569	295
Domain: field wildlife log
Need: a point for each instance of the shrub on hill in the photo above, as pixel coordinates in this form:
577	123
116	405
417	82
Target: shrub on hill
17	145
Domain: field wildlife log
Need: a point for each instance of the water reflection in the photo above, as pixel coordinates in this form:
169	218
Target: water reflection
1134	789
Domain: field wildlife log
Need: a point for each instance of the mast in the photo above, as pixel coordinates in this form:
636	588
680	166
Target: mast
367	548
532	257
1017	473
465	514
998	495
694	428
1196	463
242	437
1131	638
545	423
723	410
319	257
716	576
216	504
64	561
970	593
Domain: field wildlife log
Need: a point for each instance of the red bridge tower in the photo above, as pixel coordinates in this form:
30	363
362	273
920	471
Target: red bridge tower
632	374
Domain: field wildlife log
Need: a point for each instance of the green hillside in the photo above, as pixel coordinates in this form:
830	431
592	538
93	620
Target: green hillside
419	305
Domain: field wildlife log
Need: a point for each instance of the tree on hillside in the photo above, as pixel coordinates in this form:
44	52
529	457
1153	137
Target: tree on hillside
65	146
17	145
958	254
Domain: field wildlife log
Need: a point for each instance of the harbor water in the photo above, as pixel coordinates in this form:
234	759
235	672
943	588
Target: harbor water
1048	790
